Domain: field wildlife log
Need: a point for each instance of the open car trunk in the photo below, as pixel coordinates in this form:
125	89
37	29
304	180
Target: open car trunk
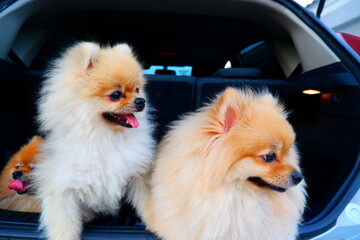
265	51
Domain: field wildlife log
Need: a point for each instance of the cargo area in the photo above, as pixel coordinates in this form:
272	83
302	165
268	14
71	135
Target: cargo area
327	125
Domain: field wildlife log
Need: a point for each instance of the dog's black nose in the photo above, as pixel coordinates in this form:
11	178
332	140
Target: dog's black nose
17	174
296	177
139	104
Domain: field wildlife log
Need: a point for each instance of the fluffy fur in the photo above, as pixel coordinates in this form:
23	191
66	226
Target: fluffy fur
22	164
92	149
211	181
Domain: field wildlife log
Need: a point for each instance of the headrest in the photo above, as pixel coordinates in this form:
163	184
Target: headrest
238	73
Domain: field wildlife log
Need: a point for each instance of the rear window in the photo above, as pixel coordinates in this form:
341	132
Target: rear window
172	70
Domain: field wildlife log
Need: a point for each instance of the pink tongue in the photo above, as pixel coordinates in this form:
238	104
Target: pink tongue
17	185
132	120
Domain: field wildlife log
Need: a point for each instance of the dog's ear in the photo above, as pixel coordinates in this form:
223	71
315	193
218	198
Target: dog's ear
92	50
124	48
228	108
36	139
84	53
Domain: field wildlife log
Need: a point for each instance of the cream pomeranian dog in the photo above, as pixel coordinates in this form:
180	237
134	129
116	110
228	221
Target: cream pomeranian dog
92	108
228	171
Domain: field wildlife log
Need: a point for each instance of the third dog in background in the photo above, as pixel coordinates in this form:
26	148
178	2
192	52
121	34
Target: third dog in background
16	192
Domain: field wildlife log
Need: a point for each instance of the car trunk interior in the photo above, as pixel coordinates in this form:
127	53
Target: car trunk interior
327	125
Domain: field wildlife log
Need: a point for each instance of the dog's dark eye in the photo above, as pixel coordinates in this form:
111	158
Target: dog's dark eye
137	90
115	96
271	157
18	167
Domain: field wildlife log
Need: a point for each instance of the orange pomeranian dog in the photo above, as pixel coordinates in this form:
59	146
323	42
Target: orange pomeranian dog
15	186
229	171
